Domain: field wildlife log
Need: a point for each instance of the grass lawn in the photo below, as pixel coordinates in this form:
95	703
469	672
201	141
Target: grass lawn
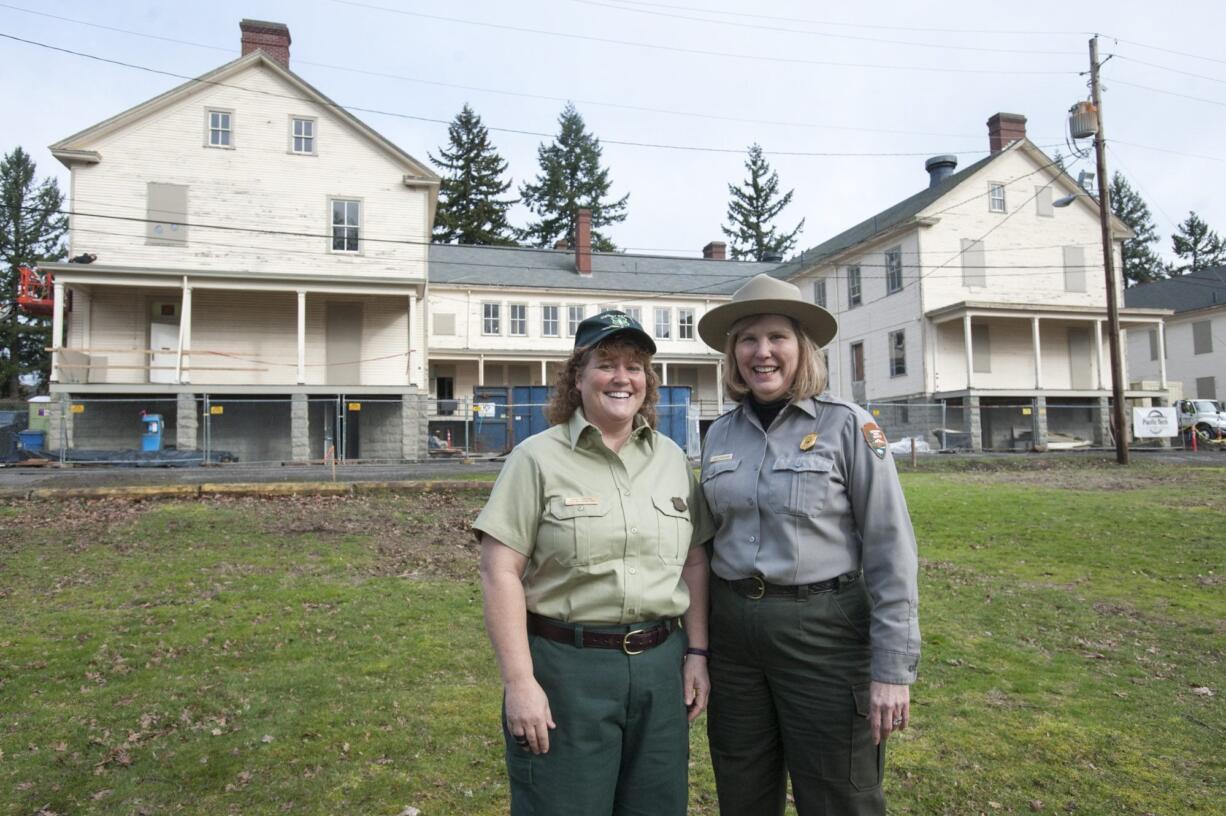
326	655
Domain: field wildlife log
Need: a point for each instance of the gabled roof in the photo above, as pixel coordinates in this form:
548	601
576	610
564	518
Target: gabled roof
1183	293
909	211
76	148
528	268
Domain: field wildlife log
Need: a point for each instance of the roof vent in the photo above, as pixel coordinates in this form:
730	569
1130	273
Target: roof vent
940	168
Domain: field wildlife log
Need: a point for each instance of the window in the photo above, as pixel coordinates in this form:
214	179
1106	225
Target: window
664	322
853	286
1042	202
819	292
1206	388
685	324
981	348
444	324
635	313
974	272
219	128
898	353
302	136
857	362
1074	269
519	319
574	316
549	321
996	198
893	270
1202	338
166	214
346	221
491	318
1153	344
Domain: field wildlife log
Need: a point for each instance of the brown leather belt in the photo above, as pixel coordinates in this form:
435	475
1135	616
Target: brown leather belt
754	587
633	642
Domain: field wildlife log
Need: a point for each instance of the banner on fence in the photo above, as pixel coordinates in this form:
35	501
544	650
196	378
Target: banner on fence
1150	423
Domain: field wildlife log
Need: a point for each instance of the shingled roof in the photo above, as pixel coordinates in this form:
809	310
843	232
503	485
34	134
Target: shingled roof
529	268
1183	293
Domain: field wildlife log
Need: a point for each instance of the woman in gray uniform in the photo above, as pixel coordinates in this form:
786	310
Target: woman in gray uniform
814	628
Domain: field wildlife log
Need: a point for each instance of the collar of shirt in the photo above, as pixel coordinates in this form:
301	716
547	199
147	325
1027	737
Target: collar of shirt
747	412
578	423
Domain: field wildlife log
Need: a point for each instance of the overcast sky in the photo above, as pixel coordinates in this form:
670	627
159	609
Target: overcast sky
710	76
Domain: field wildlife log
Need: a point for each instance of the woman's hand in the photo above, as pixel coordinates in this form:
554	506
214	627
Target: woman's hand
889	709
528	714
696	685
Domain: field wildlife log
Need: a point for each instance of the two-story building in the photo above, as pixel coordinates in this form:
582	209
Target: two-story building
981	297
1190	348
259	274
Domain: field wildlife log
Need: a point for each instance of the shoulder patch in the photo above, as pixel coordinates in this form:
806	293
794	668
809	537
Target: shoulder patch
875	437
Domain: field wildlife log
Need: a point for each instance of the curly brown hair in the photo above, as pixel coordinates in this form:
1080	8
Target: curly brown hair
566	397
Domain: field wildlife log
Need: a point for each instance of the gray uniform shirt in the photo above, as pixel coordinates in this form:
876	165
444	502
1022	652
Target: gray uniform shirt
816	497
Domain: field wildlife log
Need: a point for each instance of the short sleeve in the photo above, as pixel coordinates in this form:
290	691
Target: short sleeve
513	512
700	514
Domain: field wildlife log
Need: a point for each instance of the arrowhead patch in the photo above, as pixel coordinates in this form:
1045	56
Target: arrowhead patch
875	437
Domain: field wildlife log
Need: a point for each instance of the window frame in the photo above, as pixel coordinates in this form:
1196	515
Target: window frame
893	271
898	353
667	313
491	310
635	313
819	292
857	361
997	203
855	294
1202	337
683	323
512	320
557	320
314	137
333	226
209	129
572	325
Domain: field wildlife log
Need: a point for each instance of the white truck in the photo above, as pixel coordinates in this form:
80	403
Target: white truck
1203	417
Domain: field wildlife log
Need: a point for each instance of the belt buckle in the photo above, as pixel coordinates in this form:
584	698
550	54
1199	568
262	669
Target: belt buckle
760	590
626	642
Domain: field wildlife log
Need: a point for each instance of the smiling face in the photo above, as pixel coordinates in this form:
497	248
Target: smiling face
613	385
767	356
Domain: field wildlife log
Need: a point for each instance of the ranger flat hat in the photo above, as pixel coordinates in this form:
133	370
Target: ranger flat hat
764	295
600	327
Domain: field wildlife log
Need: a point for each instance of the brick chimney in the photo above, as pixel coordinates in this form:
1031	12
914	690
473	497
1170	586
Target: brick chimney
583	243
1004	129
715	251
271	38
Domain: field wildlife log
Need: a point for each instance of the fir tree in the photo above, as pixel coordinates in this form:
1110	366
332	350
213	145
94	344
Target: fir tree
571	178
469	208
1141	263
1199	246
31	230
753	207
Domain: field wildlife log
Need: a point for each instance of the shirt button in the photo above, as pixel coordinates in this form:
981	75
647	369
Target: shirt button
627	492
752	539
634	529
633	571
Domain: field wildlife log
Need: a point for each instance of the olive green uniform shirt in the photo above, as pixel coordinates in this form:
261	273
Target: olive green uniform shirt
605	533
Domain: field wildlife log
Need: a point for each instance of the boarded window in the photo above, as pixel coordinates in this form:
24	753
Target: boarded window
1153	344
1074	269
444	324
1202	338
981	348
1206	388
857	362
974	271
1042	201
167	214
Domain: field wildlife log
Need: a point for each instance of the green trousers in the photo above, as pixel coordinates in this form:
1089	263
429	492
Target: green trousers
789	697
621	746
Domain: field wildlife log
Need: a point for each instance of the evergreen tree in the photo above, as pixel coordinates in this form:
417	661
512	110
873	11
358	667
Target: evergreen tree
571	178
1199	246
469	208
1141	263
31	230
753	207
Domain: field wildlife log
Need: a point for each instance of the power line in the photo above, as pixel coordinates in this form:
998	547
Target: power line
1115	81
1172	152
692	51
1169	51
1168	68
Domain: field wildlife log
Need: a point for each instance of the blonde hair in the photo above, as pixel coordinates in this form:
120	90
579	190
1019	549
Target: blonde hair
566	397
811	374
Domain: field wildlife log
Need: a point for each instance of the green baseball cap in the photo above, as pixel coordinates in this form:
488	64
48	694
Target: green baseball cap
600	327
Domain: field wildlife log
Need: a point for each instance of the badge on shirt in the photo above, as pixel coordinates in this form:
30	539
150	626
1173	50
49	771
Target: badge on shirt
572	501
808	442
875	437
720	457
679	504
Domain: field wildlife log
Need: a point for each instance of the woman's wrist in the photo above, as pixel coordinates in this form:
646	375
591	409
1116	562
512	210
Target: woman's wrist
697	652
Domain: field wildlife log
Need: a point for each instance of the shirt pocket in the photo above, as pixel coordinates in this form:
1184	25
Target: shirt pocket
799	483
717	485
577	534
674	530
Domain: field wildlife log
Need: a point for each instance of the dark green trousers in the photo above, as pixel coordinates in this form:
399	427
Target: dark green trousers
621	746
789	697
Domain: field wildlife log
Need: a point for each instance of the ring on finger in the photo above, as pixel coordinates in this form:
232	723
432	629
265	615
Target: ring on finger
897	721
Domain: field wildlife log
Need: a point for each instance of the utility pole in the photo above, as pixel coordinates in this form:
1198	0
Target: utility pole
1113	310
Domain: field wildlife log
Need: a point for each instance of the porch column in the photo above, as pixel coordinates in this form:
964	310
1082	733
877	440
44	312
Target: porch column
1102	423
719	387
481	370
1162	354
1038	353
187	422
185	336
301	336
663	373
970	352
544	372
57	329
1098	354
414	360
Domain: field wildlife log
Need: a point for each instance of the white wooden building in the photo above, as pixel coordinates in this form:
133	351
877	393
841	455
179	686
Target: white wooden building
260	259
1189	349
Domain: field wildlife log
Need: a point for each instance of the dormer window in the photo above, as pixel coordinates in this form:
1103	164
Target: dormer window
219	128
302	136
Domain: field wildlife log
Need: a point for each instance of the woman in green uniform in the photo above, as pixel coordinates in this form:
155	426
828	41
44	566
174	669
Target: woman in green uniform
814	627
589	556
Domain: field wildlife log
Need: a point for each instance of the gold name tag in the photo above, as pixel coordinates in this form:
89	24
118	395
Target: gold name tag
572	501
722	457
